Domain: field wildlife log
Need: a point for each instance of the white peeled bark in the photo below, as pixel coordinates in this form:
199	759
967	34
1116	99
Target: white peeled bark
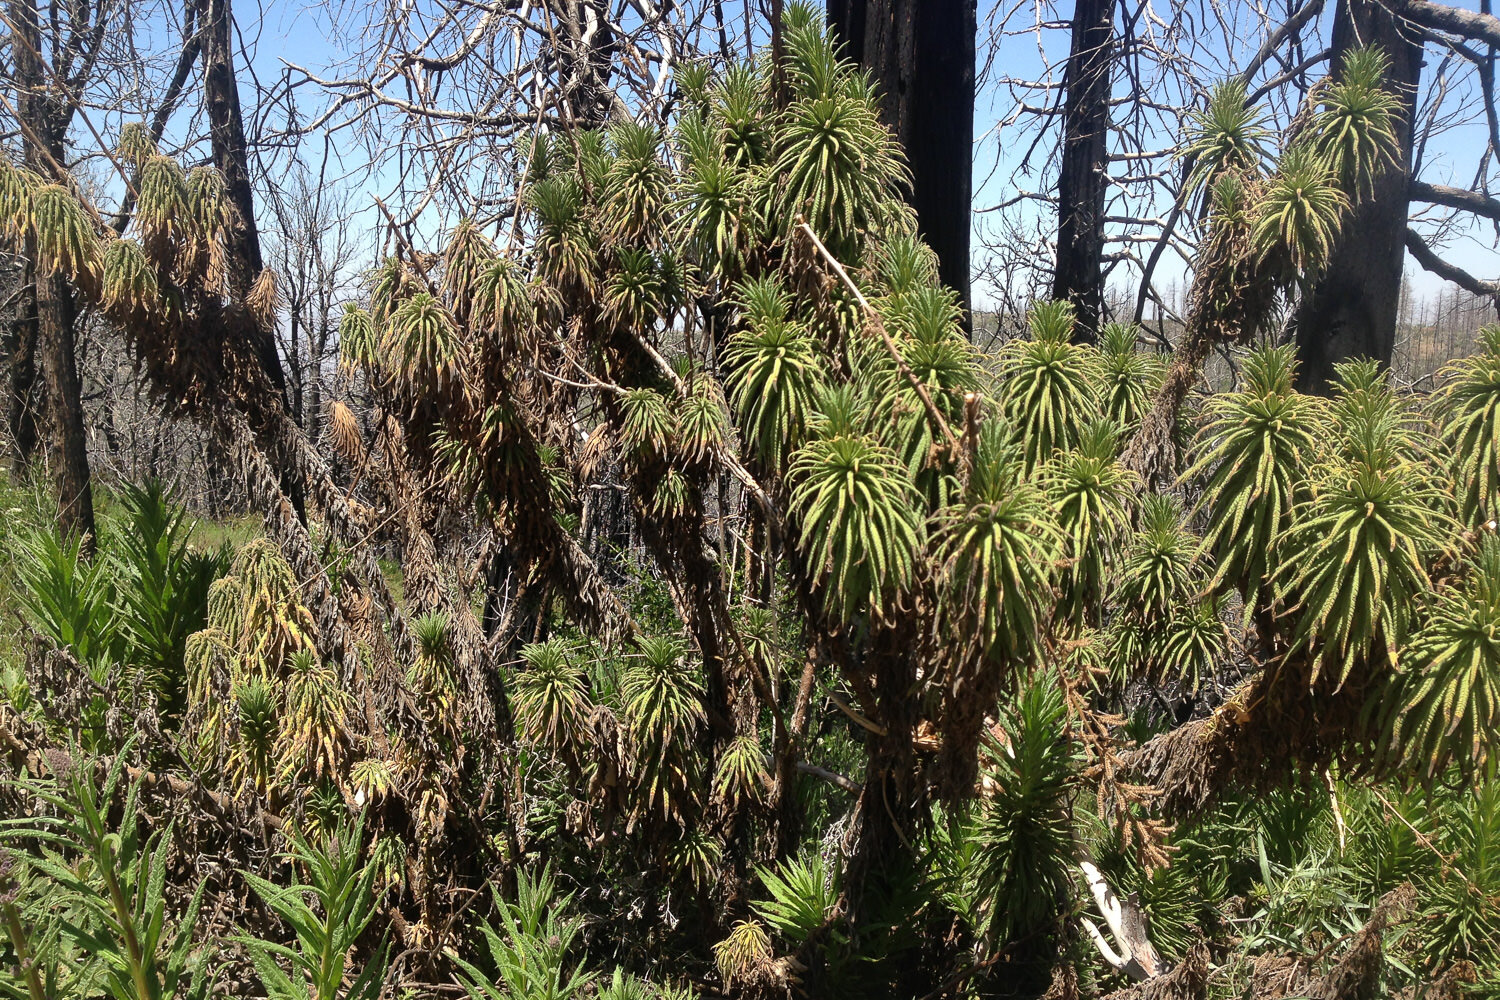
1133	953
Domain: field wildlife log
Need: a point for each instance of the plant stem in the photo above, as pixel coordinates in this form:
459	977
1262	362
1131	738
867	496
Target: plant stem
24	960
145	986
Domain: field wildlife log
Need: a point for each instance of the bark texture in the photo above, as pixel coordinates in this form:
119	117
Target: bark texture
20	352
1081	185
231	153
45	115
921	53
1351	311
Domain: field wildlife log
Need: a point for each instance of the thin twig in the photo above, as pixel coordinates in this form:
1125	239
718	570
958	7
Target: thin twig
933	413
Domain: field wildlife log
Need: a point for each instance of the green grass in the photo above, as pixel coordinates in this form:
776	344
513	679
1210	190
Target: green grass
394	579
236	531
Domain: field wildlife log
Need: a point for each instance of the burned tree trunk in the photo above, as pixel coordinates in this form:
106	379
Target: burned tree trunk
20	351
1081	184
21	339
221	97
921	53
57	314
586	52
1351	312
44	118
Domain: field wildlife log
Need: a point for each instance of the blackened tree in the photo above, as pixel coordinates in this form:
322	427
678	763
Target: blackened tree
921	53
1082	181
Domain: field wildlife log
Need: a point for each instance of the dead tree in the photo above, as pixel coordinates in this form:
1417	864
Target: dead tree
313	250
922	56
1148	233
221	98
1118	224
1083	179
444	94
45	108
1351	311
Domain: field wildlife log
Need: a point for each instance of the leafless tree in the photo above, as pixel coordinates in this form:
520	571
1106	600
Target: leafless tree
435	96
1163	61
315	251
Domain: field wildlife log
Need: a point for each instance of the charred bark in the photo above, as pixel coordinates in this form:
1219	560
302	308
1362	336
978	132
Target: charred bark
21	339
1351	312
45	115
921	53
1082	182
57	315
221	97
20	351
585	54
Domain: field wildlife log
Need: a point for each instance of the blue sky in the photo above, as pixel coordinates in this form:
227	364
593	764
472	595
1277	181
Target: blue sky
296	31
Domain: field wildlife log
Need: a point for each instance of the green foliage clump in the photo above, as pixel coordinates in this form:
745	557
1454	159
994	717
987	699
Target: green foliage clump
997	554
1471	426
1448	696
531	951
1050	384
1024	829
327	915
107	882
859	525
1260	444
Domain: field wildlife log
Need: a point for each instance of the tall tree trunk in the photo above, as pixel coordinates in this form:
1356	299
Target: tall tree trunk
294	366
20	352
69	463
921	53
21	339
221	96
893	805
45	115
313	413
1351	312
1081	184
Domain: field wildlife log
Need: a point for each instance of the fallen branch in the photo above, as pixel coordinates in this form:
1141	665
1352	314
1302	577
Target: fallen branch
830	776
1137	958
858	717
40	763
1189	981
